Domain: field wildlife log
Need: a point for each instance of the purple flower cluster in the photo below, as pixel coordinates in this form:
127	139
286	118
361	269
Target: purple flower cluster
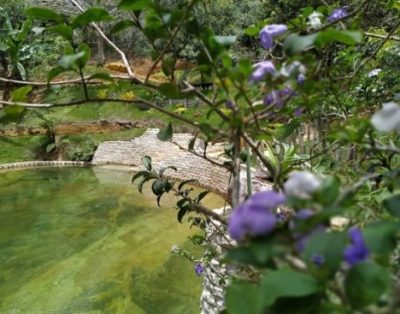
199	269
357	251
278	97
354	253
255	217
337	14
268	33
230	105
261	69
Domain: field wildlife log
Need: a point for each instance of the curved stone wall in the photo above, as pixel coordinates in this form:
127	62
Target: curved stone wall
163	154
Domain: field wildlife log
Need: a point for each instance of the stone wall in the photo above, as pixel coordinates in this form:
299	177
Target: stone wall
163	154
42	164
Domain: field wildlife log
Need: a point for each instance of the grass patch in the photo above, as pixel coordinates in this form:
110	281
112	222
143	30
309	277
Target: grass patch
15	149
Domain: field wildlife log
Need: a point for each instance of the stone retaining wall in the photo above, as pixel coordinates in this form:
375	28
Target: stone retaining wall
42	164
163	154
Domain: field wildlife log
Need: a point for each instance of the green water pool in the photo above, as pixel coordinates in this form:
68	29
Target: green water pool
86	241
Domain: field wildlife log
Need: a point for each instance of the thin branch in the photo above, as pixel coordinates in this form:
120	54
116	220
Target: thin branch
394	38
208	213
235	195
205	99
371	56
131	74
77	81
204	156
257	152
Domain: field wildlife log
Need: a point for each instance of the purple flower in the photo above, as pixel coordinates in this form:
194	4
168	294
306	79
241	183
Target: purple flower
255	216
230	105
278	97
318	259
304	214
357	251
301	78
199	269
298	111
337	14
268	33
261	70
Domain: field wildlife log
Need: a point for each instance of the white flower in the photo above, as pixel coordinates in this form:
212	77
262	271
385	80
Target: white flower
174	249
339	222
374	72
293	67
314	20
301	184
388	118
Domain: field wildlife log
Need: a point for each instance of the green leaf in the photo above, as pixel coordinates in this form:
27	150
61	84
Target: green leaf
162	170
252	31
392	205
158	187
63	30
55	72
183	183
83	47
170	90
12	114
181	213
243	297
201	196
365	283
21	94
50	147
91	15
101	76
25	30
343	36
168	66
394	4
68	62
207	129
43	14
329	191
140	174
166	133
135	5
287	129
142	182
146	160
328	245
295	44
286	283
380	237
21	70
120	26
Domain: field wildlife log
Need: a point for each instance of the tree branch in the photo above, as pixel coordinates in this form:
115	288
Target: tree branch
131	74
